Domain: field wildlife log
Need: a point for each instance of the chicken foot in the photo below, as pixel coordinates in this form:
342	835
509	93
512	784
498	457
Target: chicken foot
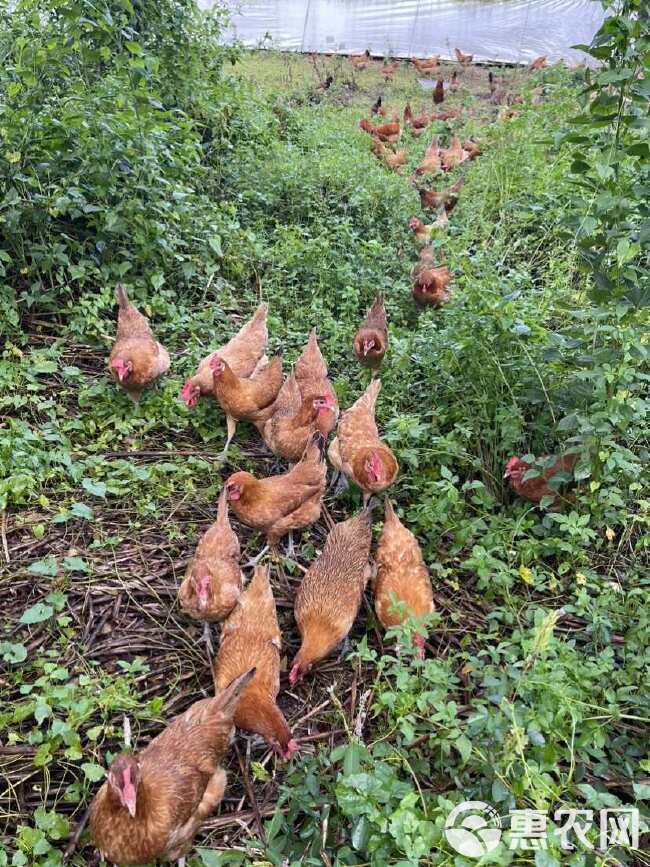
255	560
291	551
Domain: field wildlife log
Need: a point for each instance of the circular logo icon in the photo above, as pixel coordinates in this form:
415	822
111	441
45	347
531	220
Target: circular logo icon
478	833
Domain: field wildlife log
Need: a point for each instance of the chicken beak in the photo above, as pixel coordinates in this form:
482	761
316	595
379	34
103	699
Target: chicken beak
129	796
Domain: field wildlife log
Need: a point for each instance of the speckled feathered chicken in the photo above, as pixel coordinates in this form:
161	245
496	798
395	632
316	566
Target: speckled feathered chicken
389	132
293	419
331	591
371	340
538	63
136	359
465	59
310	371
153	802
535	489
401	575
453	155
446	198
279	504
417	124
213	581
358	452
244	353
250	637
430	280
244	399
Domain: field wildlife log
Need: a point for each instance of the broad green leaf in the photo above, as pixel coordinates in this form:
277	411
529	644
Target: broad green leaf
641	791
48	567
37	613
93	772
75	564
97	489
81	510
13	653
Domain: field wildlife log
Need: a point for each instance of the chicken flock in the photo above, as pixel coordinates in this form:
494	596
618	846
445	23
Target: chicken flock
430	277
154	801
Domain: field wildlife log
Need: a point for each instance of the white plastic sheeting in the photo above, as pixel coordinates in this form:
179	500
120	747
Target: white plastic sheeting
501	30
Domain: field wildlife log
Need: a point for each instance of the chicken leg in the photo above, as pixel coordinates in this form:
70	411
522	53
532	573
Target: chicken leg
207	637
344	648
231	427
339	483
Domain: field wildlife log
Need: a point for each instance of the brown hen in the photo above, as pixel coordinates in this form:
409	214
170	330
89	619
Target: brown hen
136	359
535	489
465	59
358	452
389	132
454	155
293	419
402	576
430	286
244	399
330	594
447	198
153	802
244	353
311	375
425	64
250	637
417	124
371	340
213	581
279	504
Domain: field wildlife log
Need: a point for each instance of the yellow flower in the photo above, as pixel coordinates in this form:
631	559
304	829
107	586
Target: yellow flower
526	574
611	535
581	579
13	156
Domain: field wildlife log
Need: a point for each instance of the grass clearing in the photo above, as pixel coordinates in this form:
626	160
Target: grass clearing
534	693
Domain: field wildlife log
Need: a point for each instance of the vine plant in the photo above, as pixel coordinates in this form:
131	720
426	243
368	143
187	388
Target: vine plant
611	157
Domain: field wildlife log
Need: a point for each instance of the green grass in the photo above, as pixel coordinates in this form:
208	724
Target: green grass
534	691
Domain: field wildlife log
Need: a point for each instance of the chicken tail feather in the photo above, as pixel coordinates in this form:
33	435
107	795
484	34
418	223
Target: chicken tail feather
315	448
222	508
389	511
230	695
121	297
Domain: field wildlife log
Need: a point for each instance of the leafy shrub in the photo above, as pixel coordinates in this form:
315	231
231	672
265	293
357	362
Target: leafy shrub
611	157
